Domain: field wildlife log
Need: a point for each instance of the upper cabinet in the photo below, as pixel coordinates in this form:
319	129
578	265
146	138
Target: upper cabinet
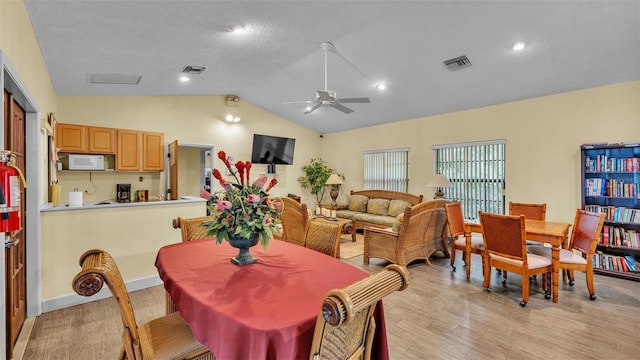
80	139
140	151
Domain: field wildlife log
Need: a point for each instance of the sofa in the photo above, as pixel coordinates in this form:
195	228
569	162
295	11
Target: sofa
376	208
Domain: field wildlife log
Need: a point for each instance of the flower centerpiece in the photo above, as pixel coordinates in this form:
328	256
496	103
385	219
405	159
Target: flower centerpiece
242	212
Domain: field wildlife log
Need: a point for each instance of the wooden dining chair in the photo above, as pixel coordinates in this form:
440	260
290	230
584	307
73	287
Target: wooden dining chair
530	211
294	218
587	227
505	247
459	241
191	228
167	337
323	236
345	326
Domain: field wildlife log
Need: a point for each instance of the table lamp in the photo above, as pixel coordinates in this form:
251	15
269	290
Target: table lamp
439	181
335	181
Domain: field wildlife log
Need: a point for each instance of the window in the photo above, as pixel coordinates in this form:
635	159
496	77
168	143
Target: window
476	171
386	169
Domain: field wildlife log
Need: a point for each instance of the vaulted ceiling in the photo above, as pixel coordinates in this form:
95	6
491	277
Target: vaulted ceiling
570	45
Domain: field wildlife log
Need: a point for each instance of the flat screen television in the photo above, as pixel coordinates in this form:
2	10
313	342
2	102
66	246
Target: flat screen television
272	150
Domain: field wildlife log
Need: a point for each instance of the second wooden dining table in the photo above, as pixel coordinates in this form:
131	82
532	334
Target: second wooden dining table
553	233
265	310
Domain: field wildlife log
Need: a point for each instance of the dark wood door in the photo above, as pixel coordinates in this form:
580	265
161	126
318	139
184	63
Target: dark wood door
173	170
15	256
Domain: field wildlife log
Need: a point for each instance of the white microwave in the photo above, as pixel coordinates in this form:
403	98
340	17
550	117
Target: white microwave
86	162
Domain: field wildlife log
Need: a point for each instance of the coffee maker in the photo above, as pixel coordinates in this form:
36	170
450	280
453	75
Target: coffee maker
123	193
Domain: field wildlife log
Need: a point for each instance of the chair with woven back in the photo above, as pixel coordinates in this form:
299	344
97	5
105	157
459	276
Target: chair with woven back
345	326
167	337
467	244
294	217
422	226
191	228
323	236
587	227
505	247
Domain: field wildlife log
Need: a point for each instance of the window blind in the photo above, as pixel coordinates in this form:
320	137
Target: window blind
386	169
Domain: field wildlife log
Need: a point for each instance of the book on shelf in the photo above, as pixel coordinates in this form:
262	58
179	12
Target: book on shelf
632	264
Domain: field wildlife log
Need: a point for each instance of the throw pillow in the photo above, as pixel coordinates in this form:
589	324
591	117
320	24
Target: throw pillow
396	207
358	203
378	207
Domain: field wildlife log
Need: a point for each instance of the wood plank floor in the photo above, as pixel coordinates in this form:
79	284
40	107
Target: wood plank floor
440	316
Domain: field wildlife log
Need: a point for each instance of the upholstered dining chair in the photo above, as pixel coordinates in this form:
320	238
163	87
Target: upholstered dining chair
459	241
167	337
345	326
587	227
294	217
421	228
323	236
505	247
530	211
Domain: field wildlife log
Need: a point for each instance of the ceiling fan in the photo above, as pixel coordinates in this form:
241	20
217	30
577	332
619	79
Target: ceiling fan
328	97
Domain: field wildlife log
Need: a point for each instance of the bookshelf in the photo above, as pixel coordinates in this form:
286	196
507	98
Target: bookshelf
611	185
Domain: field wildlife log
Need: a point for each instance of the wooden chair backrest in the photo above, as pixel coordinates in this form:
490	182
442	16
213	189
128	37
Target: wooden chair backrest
345	326
421	223
530	211
587	227
99	267
504	235
294	217
191	228
323	236
455	219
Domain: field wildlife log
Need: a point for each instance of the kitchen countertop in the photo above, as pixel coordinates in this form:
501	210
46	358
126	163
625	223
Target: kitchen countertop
108	204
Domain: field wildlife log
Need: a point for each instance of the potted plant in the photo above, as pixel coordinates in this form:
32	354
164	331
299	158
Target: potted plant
316	173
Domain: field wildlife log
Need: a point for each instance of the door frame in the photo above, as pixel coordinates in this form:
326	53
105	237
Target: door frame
34	166
204	164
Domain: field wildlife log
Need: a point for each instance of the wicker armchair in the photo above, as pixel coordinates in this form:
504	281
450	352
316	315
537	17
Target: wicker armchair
167	337
323	236
294	217
191	228
345	325
421	228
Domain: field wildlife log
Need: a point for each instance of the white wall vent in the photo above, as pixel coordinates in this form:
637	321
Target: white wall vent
458	63
192	69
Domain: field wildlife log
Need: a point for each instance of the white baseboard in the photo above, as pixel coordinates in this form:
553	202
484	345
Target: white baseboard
75	299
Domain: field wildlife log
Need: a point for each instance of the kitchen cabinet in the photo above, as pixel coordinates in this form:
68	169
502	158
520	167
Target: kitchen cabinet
139	151
81	139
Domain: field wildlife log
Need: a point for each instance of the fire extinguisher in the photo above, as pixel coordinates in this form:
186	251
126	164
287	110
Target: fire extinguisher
11	180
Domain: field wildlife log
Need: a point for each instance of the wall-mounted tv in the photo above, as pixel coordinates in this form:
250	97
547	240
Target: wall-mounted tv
272	150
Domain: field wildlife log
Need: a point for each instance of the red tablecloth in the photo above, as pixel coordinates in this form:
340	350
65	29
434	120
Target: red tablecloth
265	310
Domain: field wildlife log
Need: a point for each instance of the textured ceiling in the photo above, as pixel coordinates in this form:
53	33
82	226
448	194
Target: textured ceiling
572	45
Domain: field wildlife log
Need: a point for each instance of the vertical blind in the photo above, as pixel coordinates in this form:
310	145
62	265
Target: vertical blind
386	169
476	171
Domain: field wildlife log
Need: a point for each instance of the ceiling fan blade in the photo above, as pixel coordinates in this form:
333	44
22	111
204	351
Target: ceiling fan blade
342	108
316	106
354	100
299	102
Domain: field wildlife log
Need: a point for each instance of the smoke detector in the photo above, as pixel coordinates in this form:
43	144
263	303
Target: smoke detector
193	69
458	63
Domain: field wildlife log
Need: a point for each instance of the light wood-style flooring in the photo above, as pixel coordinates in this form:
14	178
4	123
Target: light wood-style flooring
440	316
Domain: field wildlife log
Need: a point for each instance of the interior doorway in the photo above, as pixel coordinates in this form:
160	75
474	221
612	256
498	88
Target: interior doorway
191	169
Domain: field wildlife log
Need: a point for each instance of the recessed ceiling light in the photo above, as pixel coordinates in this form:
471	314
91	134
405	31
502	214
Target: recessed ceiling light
519	46
308	108
381	86
236	29
184	78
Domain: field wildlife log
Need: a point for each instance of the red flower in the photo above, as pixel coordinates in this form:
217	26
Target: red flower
216	174
223	156
240	167
273	183
247	167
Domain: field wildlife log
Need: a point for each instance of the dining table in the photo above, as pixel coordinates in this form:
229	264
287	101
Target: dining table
549	232
264	310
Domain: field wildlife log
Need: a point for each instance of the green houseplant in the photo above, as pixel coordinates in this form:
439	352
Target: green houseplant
316	173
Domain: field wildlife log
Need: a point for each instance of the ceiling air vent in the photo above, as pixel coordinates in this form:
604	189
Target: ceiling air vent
114	79
458	63
192	69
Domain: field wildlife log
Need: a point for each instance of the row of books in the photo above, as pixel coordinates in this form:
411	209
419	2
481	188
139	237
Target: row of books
612	187
616	213
615	263
603	163
619	237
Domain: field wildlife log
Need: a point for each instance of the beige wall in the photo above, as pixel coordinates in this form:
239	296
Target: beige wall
543	138
196	120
